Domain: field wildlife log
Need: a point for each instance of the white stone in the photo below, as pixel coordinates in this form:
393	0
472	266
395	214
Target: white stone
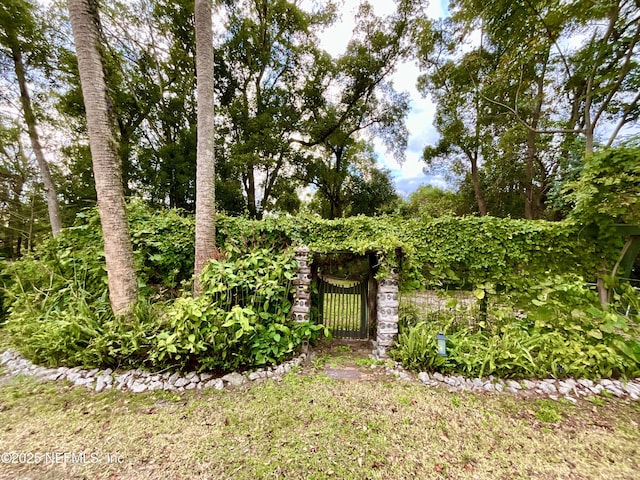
631	388
564	389
41	372
499	387
549	388
218	384
597	389
206	376
156	385
83	381
585	382
190	386
55	375
615	390
438	376
489	387
181	382
138	387
422	376
237	379
100	384
513	384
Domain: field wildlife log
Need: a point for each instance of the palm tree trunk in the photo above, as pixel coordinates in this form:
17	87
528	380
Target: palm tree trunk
205	242
118	252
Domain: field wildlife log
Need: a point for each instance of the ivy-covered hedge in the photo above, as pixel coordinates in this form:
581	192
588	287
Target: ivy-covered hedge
58	307
461	252
464	252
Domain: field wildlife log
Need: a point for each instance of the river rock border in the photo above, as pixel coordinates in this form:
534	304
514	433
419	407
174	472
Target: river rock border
138	381
567	388
554	389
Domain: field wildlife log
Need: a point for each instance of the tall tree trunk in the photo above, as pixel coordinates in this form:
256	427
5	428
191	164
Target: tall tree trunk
118	252
532	201
205	243
477	188
250	187
30	120
529	208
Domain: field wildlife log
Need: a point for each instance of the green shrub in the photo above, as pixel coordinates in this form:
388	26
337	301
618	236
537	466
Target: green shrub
564	333
241	319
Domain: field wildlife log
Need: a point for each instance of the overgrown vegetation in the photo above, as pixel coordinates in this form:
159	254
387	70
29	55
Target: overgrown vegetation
556	330
59	313
58	309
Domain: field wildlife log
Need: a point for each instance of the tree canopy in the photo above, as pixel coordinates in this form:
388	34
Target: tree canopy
525	93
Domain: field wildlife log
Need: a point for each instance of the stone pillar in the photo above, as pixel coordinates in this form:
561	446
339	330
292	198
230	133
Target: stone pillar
387	315
302	296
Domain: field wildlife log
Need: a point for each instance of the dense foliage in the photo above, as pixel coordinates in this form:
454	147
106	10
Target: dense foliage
606	191
58	310
241	319
463	252
559	330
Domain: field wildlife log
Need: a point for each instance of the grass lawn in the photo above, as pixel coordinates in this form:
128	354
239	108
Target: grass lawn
309	426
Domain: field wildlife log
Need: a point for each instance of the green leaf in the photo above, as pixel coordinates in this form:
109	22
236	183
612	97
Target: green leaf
595	334
608	327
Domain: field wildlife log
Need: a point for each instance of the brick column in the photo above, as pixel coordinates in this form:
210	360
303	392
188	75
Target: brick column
387	315
302	296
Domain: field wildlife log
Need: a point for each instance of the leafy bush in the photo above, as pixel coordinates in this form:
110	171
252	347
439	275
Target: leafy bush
563	334
239	320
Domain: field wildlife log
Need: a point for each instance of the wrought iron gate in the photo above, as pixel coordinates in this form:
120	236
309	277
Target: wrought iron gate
344	309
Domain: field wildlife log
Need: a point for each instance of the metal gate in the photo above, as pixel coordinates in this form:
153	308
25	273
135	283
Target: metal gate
344	308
